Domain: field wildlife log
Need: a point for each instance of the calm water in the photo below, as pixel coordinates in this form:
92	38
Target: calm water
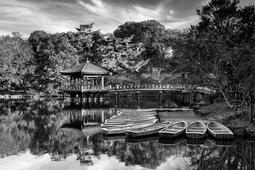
45	135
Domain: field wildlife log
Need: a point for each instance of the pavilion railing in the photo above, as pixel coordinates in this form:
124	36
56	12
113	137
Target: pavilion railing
81	88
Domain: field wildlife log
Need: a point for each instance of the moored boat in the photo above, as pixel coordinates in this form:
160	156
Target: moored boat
219	131
174	109
173	130
123	123
147	110
122	129
196	129
117	120
145	131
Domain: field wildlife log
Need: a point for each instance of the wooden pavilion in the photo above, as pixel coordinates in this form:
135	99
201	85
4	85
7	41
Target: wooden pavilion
85	78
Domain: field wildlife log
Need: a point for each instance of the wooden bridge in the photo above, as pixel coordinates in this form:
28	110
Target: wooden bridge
146	87
89	78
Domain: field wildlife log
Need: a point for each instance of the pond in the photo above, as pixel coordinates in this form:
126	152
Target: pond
46	135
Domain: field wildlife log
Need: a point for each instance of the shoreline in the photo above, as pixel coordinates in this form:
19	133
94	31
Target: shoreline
235	120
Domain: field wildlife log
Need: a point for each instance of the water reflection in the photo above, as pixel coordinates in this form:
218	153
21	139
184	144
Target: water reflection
32	136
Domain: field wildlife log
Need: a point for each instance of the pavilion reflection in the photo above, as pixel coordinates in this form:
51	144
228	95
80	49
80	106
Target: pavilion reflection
83	115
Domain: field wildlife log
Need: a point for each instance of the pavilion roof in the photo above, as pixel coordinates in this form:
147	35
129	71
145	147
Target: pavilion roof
85	69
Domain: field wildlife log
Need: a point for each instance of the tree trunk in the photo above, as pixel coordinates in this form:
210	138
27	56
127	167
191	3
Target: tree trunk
226	99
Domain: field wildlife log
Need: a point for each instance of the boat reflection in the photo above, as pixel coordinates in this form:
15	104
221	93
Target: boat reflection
173	141
141	139
37	127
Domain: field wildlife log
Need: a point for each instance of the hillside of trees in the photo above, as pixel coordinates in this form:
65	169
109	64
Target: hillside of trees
218	52
35	63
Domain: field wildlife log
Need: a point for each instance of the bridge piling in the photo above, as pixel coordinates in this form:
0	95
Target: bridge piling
161	99
139	99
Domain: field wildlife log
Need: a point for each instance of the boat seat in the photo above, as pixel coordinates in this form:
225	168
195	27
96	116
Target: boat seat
195	130
215	128
168	130
177	127
174	131
221	131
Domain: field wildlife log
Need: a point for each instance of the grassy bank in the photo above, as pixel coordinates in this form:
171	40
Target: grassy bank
235	119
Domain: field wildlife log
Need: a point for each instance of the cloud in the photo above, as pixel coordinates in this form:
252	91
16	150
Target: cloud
23	17
52	16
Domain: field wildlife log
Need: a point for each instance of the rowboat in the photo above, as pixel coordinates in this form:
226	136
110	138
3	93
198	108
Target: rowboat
135	119
145	131
122	129
219	131
175	109
123	123
146	110
196	130
173	130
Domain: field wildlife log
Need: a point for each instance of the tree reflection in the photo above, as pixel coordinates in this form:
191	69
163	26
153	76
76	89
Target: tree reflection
35	126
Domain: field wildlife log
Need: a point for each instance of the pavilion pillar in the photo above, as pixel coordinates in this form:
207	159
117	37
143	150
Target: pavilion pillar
102	82
93	83
102	116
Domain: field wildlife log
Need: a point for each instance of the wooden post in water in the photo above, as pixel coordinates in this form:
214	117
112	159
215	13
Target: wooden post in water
102	116
158	116
116	99
72	97
161	98
138	99
101	98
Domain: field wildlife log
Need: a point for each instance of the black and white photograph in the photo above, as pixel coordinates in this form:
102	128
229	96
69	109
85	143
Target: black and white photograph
127	84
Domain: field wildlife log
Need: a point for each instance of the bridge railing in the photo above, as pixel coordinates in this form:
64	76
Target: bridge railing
140	87
158	87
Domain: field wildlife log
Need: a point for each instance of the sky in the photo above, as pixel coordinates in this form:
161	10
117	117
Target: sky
26	16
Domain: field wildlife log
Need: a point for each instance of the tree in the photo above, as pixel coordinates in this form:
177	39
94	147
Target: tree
52	53
15	55
120	55
87	41
213	50
159	75
246	75
154	37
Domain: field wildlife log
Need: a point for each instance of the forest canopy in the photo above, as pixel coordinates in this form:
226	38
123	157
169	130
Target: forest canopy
217	52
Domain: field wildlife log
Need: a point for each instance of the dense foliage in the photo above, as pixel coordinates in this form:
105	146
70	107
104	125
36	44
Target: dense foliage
218	51
15	56
35	63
